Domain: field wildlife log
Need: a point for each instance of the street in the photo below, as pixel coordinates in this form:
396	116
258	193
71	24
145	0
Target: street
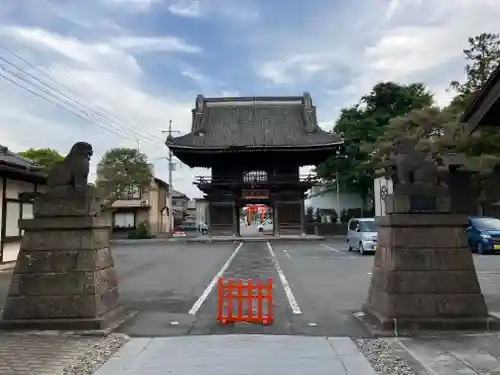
168	283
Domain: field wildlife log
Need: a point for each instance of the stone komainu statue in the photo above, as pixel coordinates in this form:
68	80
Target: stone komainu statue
72	173
412	166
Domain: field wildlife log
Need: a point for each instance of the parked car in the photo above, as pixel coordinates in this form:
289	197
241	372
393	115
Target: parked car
192	226
187	226
483	234
265	226
362	235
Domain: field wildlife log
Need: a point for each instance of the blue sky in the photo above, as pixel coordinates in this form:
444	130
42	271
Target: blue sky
141	63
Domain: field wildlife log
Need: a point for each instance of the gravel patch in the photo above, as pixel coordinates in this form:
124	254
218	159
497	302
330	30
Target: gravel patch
384	359
95	357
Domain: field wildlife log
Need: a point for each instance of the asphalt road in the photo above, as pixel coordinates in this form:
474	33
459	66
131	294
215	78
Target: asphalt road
325	285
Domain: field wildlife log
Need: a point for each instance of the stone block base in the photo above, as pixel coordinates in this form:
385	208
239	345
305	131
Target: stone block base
380	325
109	321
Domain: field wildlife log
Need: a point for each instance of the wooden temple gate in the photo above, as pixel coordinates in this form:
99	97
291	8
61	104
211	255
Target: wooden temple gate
254	147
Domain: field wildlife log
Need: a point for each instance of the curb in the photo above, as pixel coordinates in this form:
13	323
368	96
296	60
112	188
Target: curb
7	266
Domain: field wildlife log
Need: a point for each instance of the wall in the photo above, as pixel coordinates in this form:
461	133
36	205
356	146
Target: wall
15	209
154	213
328	200
378	184
201	207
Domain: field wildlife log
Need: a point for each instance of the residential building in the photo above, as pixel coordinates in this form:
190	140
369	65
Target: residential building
179	205
325	198
191	210
201	210
136	206
18	175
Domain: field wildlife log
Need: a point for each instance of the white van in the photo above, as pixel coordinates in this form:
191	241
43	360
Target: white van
362	235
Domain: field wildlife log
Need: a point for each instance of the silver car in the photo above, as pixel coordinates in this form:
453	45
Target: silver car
362	235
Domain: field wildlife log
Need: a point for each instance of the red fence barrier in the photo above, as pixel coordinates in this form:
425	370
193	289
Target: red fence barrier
233	297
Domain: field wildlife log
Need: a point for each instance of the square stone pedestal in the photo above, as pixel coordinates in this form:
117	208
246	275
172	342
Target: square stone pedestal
64	277
424	277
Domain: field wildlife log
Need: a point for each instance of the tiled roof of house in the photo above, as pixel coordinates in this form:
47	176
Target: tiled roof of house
12	159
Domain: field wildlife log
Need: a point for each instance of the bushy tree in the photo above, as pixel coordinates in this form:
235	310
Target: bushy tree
363	124
45	158
120	170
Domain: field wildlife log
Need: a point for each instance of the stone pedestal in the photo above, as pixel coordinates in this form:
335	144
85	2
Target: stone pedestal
423	275
64	277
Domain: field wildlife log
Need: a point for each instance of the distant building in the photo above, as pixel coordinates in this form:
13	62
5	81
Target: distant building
18	175
136	206
201	208
179	205
324	198
191	209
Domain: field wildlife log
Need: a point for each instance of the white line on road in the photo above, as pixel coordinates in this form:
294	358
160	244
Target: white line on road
337	251
288	290
287	254
206	292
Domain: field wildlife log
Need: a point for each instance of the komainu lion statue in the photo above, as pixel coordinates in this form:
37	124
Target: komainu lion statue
72	172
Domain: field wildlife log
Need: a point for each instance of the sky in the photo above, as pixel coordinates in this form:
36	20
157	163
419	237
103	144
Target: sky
124	68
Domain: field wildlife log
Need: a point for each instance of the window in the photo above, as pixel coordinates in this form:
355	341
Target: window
132	192
255	176
368	226
124	220
353	225
12	217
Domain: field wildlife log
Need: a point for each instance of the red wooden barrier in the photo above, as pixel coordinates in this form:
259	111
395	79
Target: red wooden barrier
242	293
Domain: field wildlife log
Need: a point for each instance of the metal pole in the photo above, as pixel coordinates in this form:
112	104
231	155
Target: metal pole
338	195
170	182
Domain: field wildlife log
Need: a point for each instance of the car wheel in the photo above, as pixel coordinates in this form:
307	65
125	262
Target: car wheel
480	248
349	247
361	249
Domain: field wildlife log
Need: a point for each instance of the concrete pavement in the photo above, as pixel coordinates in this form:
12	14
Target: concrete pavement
238	355
168	283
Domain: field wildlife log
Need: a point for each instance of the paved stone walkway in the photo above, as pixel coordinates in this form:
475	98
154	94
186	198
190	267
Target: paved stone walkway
238	355
475	354
52	353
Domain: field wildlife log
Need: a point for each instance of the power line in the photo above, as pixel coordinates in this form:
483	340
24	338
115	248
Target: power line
86	109
60	106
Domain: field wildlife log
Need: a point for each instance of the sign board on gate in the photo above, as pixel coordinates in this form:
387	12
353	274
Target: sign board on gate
255	194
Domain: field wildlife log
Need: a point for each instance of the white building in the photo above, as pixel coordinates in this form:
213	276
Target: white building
325	198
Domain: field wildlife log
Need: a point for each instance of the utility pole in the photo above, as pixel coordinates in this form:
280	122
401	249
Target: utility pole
170	169
337	188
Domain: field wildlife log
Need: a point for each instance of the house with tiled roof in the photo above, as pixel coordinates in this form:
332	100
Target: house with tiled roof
18	175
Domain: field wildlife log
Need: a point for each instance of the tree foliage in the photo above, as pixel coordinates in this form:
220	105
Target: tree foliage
120	170
363	124
45	158
438	130
482	58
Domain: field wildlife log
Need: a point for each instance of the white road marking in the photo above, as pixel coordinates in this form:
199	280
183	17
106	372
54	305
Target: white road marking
332	249
337	251
286	286
197	305
287	254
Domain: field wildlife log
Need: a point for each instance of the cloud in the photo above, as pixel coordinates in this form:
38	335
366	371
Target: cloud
165	44
104	76
399	40
134	5
191	9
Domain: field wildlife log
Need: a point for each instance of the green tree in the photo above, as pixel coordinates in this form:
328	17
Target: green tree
42	157
363	124
482	58
122	170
